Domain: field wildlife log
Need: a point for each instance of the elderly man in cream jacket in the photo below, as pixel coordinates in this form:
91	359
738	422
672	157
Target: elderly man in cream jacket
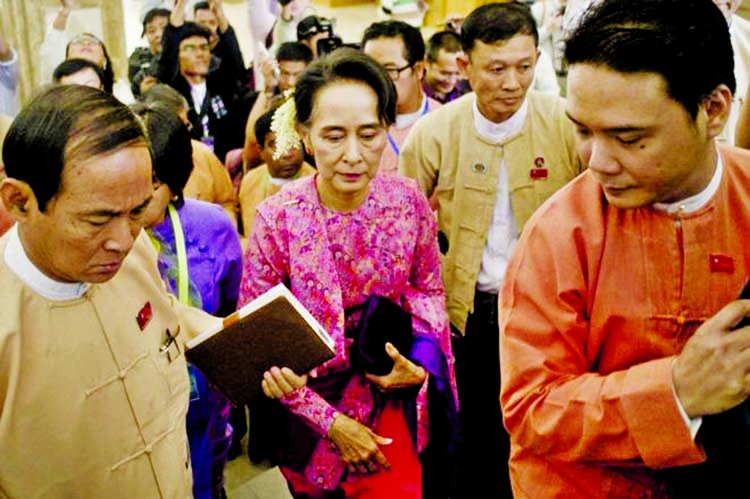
93	381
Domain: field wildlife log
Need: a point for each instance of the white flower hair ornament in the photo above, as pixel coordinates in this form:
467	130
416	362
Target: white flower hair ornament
283	126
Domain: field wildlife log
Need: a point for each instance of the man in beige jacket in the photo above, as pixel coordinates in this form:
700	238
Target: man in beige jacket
490	158
93	380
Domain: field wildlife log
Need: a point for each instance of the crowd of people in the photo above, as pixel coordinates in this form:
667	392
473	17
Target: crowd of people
556	193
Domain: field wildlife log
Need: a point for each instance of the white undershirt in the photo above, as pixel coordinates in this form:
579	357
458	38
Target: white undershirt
281	182
198	92
18	261
698	201
408	119
502	233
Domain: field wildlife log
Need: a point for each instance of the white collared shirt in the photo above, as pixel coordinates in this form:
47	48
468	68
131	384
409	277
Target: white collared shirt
698	201
19	263
198	92
502	233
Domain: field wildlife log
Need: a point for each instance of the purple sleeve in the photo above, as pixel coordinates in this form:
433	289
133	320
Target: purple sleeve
230	282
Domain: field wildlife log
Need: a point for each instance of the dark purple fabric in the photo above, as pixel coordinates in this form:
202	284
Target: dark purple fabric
440	458
214	255
461	88
381	321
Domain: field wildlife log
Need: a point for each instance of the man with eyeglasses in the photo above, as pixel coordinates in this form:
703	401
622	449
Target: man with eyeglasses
490	158
185	64
399	48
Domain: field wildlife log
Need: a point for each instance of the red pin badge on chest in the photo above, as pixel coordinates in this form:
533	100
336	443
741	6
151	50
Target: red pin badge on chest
144	316
539	172
721	263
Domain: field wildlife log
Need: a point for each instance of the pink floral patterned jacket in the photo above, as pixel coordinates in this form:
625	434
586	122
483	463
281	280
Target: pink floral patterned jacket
333	261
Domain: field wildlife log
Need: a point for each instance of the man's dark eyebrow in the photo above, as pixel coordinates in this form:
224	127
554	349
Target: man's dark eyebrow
101	213
619	129
144	204
571	118
112	213
504	62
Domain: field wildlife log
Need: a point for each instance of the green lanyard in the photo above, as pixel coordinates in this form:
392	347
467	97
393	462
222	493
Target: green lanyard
183	279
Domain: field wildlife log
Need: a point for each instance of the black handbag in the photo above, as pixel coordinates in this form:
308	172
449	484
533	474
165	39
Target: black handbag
382	321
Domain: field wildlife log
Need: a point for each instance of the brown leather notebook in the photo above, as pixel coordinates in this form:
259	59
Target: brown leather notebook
275	329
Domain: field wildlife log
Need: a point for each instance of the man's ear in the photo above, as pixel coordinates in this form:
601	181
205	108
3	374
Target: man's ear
17	197
463	62
419	68
716	107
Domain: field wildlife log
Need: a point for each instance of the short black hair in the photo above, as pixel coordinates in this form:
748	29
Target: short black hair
411	36
345	64
201	6
65	124
191	29
263	127
153	14
72	66
108	82
684	41
446	40
170	144
312	25
294	51
497	22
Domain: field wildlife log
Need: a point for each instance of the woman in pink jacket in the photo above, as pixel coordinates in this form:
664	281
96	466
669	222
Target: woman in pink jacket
335	239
